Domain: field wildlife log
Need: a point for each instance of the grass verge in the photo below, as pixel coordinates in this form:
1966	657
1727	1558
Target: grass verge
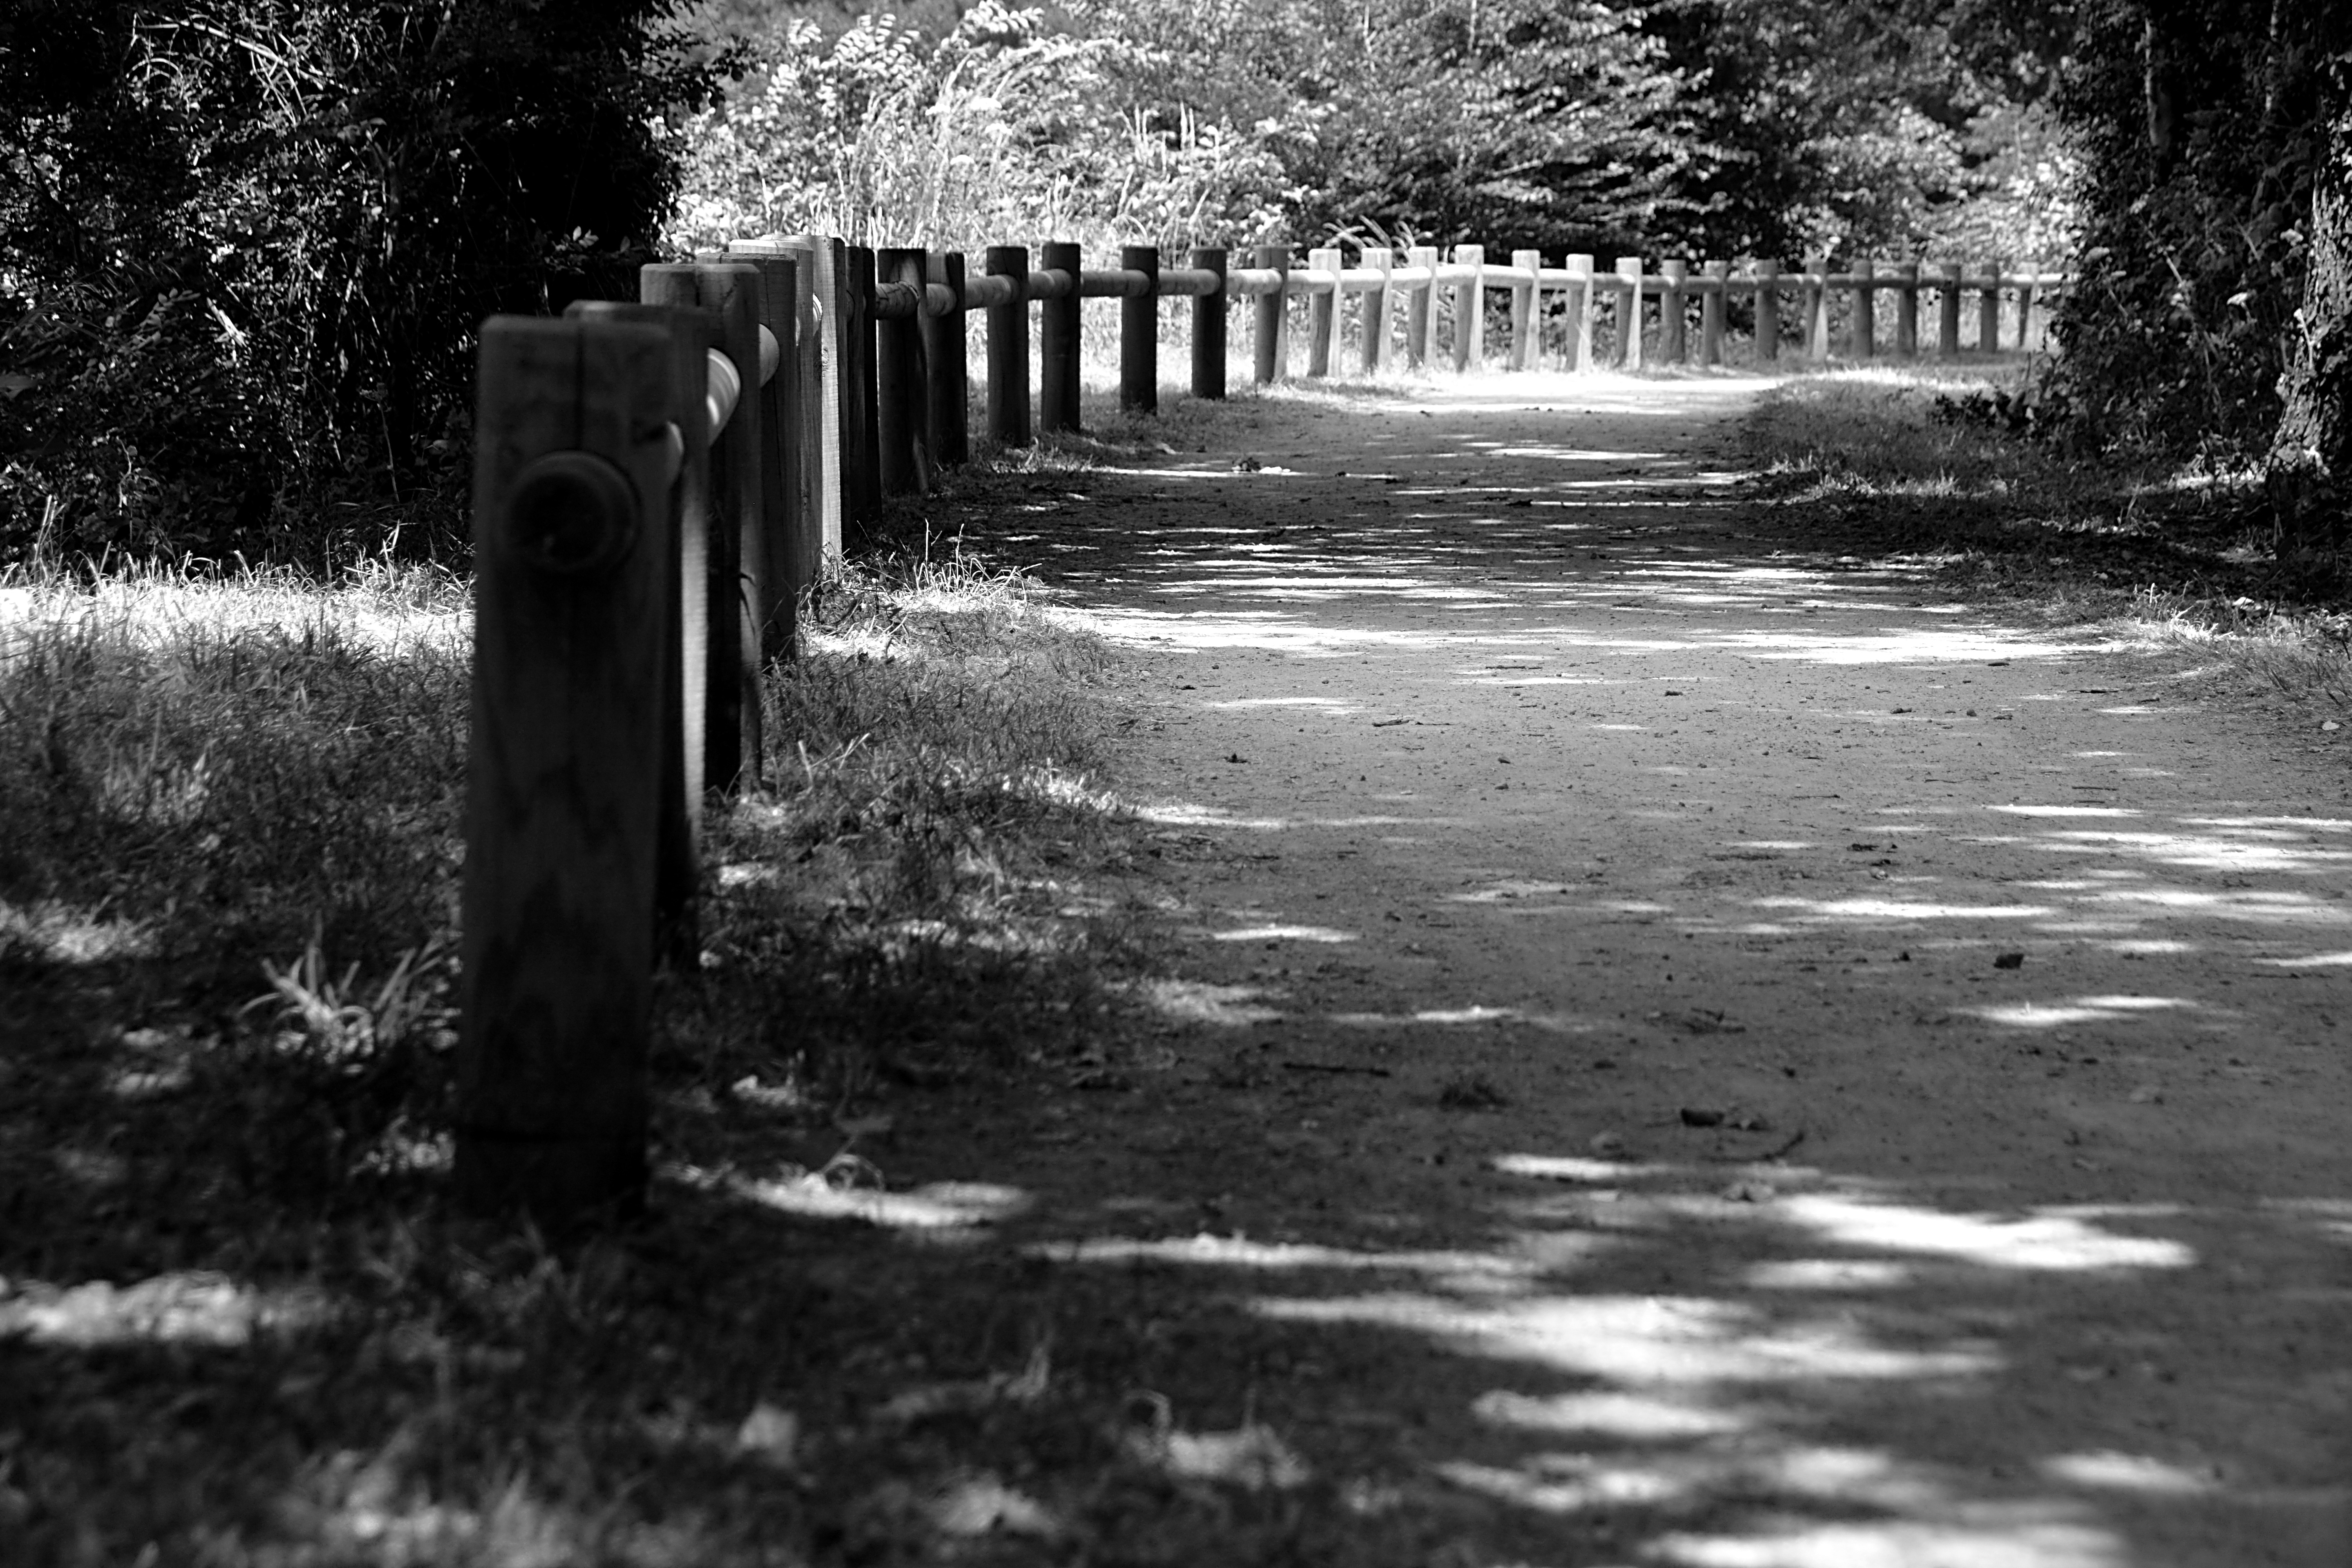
1928	466
237	1325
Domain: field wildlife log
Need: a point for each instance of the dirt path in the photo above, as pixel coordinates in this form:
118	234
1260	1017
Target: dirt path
1680	1052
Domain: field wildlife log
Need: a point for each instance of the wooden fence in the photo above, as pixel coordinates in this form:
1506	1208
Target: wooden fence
657	483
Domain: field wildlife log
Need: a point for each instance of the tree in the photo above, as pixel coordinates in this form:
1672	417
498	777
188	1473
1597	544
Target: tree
2205	128
246	243
2310	465
1863	125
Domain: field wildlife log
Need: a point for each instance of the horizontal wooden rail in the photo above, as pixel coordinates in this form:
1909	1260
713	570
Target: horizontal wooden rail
1113	283
1191	282
658	482
989	291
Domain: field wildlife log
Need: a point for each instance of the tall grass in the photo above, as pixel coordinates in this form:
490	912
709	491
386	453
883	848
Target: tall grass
207	768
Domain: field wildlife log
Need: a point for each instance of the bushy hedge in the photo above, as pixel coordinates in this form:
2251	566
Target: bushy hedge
244	246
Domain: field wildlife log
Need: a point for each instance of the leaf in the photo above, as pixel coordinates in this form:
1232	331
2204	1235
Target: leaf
772	1433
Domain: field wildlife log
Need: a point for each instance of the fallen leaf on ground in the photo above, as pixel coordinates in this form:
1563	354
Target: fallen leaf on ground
971	1394
1699	1021
772	1432
1252	1456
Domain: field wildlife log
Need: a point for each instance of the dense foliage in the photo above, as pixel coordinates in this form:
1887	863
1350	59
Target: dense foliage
2205	129
244	245
1825	124
1719	127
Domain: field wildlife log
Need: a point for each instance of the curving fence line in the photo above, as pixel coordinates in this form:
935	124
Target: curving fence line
657	482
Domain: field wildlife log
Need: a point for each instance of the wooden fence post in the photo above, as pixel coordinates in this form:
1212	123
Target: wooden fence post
1579	311
1470	310
1382	260
1817	308
1008	349
1138	330
1947	309
686	610
945	342
1988	309
782	504
1057	344
826	381
1906	310
2025	307
1629	312
572	483
861	449
1270	334
1421	307
901	381
1767	310
1323	314
1712	307
730	721
733	289
1862	321
1525	297
1209	317
1673	312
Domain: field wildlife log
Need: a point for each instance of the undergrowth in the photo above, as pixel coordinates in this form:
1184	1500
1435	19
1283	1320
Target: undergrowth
901	900
1943	470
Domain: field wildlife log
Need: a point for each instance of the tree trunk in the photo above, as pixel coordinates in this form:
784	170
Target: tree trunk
2309	480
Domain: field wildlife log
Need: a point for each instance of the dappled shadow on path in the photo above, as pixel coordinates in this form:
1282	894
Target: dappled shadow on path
1182	1356
1510	764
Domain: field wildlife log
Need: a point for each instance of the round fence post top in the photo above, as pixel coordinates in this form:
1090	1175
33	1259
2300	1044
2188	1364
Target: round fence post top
571	513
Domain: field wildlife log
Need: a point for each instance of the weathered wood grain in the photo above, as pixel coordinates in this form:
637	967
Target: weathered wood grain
572	520
1138	332
1008	348
1209	316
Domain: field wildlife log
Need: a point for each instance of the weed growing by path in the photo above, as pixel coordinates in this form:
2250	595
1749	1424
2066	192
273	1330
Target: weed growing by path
1910	465
1902	441
904	896
215	787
